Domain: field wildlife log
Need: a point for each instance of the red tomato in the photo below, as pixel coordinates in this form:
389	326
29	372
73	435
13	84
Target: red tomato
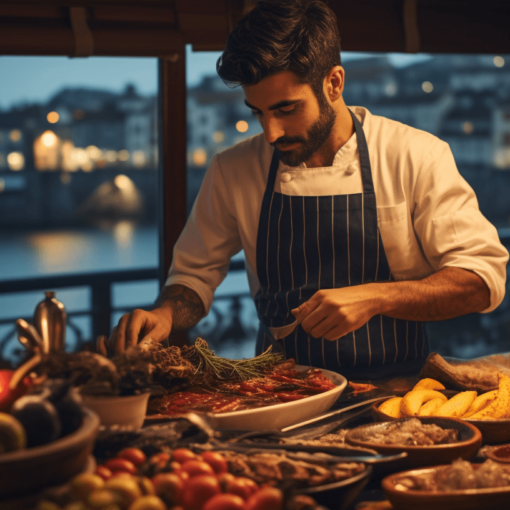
158	457
197	467
225	502
242	486
135	455
181	455
123	465
181	474
198	490
103	472
169	486
225	479
174	466
267	498
216	461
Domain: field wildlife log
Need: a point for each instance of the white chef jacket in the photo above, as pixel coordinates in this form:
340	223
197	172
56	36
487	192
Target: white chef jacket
427	213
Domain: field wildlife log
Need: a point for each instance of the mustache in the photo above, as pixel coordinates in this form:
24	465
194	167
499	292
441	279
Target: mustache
288	140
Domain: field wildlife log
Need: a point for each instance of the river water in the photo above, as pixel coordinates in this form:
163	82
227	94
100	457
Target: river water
121	246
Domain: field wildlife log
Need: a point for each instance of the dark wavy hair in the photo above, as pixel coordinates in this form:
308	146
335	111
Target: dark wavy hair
282	35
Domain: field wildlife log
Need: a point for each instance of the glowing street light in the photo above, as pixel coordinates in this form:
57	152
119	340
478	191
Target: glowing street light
15	135
52	117
49	139
16	161
427	87
242	126
499	61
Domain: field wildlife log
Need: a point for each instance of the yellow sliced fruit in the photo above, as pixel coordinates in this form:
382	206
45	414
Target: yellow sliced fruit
12	434
428	384
391	407
412	401
500	406
429	407
457	405
480	403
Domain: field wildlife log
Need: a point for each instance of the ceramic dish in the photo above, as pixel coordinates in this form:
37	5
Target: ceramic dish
27	471
282	415
469	442
339	495
277	416
493	431
470	499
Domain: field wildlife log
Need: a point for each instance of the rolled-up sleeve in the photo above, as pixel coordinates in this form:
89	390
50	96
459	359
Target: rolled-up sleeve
201	256
452	230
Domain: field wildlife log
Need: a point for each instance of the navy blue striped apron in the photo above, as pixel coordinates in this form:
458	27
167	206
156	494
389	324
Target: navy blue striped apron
308	243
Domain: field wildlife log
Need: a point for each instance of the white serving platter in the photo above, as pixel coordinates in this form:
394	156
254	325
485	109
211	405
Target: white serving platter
282	415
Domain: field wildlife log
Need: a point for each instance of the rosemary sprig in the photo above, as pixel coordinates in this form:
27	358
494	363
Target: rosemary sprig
224	368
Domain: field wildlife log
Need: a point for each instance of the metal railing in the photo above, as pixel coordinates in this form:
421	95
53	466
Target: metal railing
101	304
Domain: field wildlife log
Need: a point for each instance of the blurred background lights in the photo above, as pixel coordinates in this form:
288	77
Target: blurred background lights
123	182
94	153
49	139
468	127
16	161
390	89
242	126
123	155
15	135
139	158
427	87
111	156
218	136
2	185
199	157
499	61
52	117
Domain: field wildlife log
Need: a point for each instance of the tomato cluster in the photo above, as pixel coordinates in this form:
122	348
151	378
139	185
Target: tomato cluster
181	480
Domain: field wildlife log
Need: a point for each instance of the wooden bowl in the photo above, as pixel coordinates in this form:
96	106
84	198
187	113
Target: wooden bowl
339	495
469	499
28	471
493	431
468	445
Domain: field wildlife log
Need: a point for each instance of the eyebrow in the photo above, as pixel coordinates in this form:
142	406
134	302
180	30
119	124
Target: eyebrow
281	104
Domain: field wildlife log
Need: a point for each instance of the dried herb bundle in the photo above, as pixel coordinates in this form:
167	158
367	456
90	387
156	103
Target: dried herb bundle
224	368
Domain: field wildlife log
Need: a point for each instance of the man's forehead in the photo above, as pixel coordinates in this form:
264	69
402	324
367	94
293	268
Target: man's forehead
276	88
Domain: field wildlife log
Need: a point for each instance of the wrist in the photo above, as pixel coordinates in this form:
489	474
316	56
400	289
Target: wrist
385	297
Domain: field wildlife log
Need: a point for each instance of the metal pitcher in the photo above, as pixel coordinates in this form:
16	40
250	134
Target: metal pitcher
50	321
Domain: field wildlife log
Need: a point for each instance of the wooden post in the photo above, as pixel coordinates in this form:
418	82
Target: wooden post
172	156
172	163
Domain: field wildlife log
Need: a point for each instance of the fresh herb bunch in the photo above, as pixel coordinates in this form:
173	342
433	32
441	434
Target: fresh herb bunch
224	368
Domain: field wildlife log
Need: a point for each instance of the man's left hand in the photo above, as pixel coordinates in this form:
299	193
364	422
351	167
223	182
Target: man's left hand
332	313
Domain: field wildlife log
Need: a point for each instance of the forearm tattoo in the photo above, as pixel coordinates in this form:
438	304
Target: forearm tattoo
187	307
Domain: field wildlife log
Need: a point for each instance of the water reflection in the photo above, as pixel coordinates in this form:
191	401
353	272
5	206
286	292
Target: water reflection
58	250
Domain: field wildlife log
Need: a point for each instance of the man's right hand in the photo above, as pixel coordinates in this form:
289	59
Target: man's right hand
139	325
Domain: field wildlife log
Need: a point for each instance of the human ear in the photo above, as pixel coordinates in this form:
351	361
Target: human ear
334	83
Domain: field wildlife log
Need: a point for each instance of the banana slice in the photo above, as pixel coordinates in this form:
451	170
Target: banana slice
391	407
412	401
429	407
500	406
480	402
457	405
428	384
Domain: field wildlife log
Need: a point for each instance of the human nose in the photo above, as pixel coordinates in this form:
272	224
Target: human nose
273	129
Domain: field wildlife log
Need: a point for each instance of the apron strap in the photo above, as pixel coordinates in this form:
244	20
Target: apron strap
366	170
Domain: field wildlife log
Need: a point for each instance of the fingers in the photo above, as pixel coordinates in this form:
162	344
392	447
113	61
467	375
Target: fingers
136	322
101	345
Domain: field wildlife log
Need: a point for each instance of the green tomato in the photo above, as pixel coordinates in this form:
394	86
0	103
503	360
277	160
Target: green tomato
148	503
82	485
102	498
126	487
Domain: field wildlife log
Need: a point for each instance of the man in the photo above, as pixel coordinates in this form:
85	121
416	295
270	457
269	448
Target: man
359	226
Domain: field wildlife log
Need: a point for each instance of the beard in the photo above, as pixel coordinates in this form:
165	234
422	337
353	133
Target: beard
316	135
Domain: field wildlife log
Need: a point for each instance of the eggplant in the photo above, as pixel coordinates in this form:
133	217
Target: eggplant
39	419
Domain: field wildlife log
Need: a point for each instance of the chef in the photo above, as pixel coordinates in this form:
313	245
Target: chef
359	227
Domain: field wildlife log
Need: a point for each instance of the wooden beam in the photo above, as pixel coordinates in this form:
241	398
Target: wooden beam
172	153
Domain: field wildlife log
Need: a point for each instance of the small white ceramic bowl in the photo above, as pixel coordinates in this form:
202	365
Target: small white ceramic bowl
123	411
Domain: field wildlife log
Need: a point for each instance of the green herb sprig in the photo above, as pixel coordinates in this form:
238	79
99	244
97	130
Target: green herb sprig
224	368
